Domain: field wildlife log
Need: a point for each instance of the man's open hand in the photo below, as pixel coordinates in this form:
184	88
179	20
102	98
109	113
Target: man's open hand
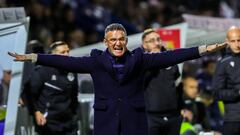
25	57
216	47
17	57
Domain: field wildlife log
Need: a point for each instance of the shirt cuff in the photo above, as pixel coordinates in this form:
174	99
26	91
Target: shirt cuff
31	57
202	50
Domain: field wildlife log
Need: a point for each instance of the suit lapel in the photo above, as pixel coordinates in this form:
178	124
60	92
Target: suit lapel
127	69
130	65
107	64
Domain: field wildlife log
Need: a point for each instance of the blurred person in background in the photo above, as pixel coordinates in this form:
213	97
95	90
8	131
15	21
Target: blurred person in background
5	86
161	95
118	76
190	93
53	97
205	76
191	101
197	105
33	46
25	115
226	83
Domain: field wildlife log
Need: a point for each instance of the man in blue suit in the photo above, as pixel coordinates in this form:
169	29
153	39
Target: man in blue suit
118	77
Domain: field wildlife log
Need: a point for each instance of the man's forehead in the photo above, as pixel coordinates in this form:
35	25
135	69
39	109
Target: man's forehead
61	47
153	35
233	31
234	34
116	33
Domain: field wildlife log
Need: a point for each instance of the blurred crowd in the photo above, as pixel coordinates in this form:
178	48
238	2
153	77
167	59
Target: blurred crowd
82	22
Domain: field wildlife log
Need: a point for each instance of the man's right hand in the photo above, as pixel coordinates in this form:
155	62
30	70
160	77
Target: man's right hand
25	57
40	119
17	57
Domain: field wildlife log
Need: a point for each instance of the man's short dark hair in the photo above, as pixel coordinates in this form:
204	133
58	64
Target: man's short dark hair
146	32
115	26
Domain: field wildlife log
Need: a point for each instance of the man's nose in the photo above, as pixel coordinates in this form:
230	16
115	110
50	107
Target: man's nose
238	44
118	42
158	43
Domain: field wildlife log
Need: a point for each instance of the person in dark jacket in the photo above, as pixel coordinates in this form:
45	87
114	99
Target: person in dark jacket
118	77
34	46
161	95
53	97
226	83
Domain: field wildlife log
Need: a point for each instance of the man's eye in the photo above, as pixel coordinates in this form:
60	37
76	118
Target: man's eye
113	40
151	40
122	39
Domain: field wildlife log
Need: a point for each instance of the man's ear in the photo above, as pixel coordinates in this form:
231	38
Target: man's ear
144	46
105	42
227	41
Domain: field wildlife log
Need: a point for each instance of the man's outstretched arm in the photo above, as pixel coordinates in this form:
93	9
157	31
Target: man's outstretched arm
173	57
68	63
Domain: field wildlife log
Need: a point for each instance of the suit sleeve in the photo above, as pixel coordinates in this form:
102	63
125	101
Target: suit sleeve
68	63
169	58
219	84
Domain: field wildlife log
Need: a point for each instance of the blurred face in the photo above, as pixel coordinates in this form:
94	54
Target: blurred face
233	40
190	87
61	50
116	42
152	42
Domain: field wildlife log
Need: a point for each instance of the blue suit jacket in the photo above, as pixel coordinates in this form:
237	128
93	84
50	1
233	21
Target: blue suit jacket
119	101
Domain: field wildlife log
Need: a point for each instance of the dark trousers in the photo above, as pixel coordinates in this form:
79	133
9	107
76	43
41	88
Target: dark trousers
164	125
231	128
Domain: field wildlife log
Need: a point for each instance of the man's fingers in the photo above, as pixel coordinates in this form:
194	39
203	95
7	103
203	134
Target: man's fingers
216	46
39	122
17	56
223	44
43	121
12	54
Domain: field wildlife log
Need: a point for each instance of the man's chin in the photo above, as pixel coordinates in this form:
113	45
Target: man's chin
155	51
